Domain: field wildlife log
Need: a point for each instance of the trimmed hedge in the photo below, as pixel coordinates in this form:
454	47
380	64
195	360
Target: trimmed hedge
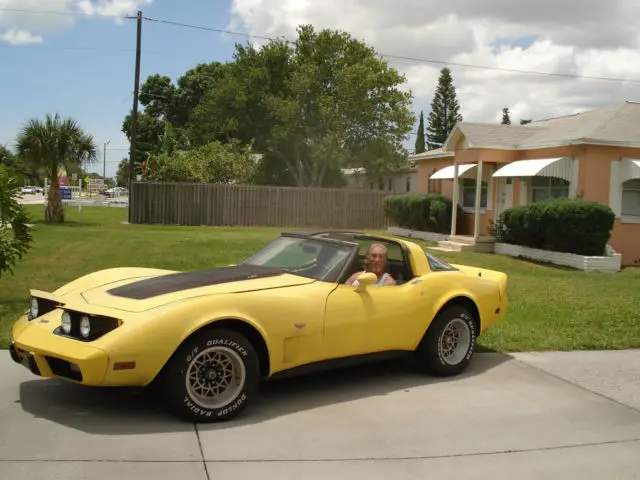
425	212
559	225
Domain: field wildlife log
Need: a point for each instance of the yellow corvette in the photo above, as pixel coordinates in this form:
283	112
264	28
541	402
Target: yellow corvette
208	337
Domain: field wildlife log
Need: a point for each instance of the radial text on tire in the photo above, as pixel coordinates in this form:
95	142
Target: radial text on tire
213	376
449	343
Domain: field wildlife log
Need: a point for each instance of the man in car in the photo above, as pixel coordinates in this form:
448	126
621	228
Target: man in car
375	262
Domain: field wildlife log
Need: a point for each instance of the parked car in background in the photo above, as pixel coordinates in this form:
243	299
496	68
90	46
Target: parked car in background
116	192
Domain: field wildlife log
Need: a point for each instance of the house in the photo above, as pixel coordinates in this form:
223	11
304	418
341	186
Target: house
403	180
488	168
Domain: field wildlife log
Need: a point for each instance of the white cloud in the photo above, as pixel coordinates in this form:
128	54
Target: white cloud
44	23
15	36
597	39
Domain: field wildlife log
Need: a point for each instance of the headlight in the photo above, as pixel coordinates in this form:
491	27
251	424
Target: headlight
85	326
66	322
33	308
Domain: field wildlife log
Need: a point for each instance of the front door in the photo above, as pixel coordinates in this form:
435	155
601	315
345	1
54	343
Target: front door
504	195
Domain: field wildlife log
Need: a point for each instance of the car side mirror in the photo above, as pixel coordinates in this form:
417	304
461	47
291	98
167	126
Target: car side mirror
365	279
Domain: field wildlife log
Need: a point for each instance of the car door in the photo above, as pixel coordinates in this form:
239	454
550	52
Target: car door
381	318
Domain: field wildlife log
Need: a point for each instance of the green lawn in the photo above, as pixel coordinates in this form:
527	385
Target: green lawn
550	308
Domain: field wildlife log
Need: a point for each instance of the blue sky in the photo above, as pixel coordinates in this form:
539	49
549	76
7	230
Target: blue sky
86	71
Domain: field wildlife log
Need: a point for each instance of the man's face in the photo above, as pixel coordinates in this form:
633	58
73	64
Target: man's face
377	259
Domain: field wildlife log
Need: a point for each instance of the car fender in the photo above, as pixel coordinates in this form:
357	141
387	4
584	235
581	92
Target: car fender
199	314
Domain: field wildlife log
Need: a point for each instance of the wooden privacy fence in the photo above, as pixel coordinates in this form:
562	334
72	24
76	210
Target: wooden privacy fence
252	205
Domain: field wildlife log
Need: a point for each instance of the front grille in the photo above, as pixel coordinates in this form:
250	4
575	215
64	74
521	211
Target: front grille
24	358
14	354
62	368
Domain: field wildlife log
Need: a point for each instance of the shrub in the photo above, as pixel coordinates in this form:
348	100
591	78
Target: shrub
560	225
425	212
15	238
214	162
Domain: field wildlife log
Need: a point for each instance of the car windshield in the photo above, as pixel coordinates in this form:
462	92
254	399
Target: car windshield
438	265
311	258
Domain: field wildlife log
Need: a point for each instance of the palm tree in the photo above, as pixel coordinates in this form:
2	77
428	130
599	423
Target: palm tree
52	145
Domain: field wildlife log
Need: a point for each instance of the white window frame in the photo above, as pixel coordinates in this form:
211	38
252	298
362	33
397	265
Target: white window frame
629	187
560	183
470	184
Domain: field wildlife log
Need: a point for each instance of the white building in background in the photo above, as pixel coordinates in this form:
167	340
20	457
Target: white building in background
404	180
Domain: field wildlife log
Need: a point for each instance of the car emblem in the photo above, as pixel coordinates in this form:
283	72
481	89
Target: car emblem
44	320
300	325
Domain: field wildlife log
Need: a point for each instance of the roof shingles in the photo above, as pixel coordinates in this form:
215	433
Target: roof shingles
617	123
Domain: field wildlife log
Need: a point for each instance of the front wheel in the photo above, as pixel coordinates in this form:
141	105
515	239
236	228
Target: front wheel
213	376
449	343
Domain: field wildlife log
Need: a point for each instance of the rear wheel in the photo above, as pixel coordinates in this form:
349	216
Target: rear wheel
449	343
213	376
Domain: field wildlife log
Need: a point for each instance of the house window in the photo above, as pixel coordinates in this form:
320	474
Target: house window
468	193
544	188
631	198
390	183
380	184
408	186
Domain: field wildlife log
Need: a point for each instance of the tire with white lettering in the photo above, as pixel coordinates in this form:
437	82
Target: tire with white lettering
213	376
449	343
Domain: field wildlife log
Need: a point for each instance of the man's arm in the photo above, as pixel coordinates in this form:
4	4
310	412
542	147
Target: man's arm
352	278
389	280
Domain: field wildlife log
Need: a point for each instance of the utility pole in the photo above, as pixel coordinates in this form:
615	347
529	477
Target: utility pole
134	115
104	161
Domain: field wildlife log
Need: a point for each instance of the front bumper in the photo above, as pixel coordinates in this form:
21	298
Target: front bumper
47	355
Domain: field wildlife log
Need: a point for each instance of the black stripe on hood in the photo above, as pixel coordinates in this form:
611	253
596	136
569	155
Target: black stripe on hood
176	282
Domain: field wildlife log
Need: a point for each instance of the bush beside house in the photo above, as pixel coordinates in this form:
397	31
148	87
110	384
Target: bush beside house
422	212
564	225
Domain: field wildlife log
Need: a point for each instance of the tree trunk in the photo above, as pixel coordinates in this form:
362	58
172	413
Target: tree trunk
54	211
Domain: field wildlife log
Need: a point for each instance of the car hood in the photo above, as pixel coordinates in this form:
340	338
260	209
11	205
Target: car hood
140	293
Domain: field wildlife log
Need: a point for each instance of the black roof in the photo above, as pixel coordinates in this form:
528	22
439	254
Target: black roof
338	235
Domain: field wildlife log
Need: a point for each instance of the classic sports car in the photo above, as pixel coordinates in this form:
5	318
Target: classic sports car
208	337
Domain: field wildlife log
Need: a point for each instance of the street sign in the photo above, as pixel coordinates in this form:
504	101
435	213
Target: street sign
74	176
87	179
65	193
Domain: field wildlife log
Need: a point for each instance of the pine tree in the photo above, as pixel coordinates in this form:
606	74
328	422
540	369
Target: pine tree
506	119
445	111
420	147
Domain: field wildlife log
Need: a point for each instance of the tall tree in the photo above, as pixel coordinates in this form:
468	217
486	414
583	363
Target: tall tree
54	144
15	241
420	144
445	111
167	104
122	174
312	106
506	119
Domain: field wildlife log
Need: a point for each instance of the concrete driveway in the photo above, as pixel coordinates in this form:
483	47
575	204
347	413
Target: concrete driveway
526	416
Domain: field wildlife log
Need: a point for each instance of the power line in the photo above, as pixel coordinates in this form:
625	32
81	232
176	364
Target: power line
61	13
413	59
385	55
513	70
208	29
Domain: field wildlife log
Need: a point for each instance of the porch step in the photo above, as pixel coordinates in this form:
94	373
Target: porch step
469	240
443	249
454	246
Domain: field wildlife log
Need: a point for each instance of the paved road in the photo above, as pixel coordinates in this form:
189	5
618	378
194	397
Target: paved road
527	416
89	202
